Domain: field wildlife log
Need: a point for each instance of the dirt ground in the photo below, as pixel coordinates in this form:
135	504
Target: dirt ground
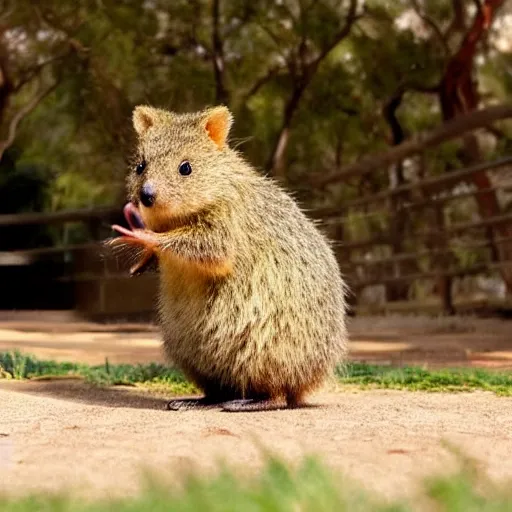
393	340
64	433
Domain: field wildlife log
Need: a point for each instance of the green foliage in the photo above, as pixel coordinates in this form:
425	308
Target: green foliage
22	366
23	188
419	379
18	365
283	67
108	56
309	486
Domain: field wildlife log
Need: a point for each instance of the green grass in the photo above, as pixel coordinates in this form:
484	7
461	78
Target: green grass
419	379
307	487
17	365
310	486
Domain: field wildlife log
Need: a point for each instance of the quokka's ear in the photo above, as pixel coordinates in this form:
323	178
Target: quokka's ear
145	117
217	122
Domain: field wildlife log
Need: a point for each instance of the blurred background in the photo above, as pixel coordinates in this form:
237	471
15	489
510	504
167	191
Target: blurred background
390	121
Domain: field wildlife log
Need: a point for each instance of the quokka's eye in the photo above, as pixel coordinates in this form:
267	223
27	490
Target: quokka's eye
139	169
185	168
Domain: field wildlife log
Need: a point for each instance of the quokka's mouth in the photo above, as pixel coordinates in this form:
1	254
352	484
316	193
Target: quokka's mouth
161	220
134	220
133	217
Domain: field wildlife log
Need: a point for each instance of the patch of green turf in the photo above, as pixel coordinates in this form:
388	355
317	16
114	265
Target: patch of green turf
160	377
17	365
278	488
420	379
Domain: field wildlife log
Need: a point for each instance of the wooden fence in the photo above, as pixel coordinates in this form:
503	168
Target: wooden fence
421	247
405	244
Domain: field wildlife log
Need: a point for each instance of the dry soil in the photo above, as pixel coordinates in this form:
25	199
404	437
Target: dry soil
66	434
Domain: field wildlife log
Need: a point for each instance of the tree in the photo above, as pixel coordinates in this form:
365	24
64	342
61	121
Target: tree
331	97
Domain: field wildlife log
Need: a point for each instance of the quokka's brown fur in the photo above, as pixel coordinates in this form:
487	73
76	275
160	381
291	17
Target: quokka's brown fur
252	304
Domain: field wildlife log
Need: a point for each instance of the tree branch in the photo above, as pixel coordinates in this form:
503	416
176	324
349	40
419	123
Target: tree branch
6	83
6	10
21	114
260	82
352	17
432	24
389	113
276	159
458	22
218	61
248	14
271	35
418	143
35	70
458	93
48	17
424	89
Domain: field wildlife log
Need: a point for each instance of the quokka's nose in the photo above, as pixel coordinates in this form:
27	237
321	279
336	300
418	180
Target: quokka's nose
147	195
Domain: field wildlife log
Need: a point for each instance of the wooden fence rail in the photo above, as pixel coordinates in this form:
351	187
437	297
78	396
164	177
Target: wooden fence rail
461	272
399	257
434	250
83	215
426	186
417	144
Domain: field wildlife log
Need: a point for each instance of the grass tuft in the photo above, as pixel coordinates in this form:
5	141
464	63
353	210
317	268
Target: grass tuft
16	365
309	486
419	379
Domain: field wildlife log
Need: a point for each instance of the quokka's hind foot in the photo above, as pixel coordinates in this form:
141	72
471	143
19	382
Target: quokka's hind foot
294	400
187	404
253	405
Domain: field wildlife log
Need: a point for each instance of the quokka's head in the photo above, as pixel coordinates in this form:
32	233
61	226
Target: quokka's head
181	165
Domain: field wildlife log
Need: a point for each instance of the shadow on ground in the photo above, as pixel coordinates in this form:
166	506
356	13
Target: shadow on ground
75	390
78	391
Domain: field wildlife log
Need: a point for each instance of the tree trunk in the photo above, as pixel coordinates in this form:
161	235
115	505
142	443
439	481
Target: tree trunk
459	95
398	221
6	85
221	93
277	161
